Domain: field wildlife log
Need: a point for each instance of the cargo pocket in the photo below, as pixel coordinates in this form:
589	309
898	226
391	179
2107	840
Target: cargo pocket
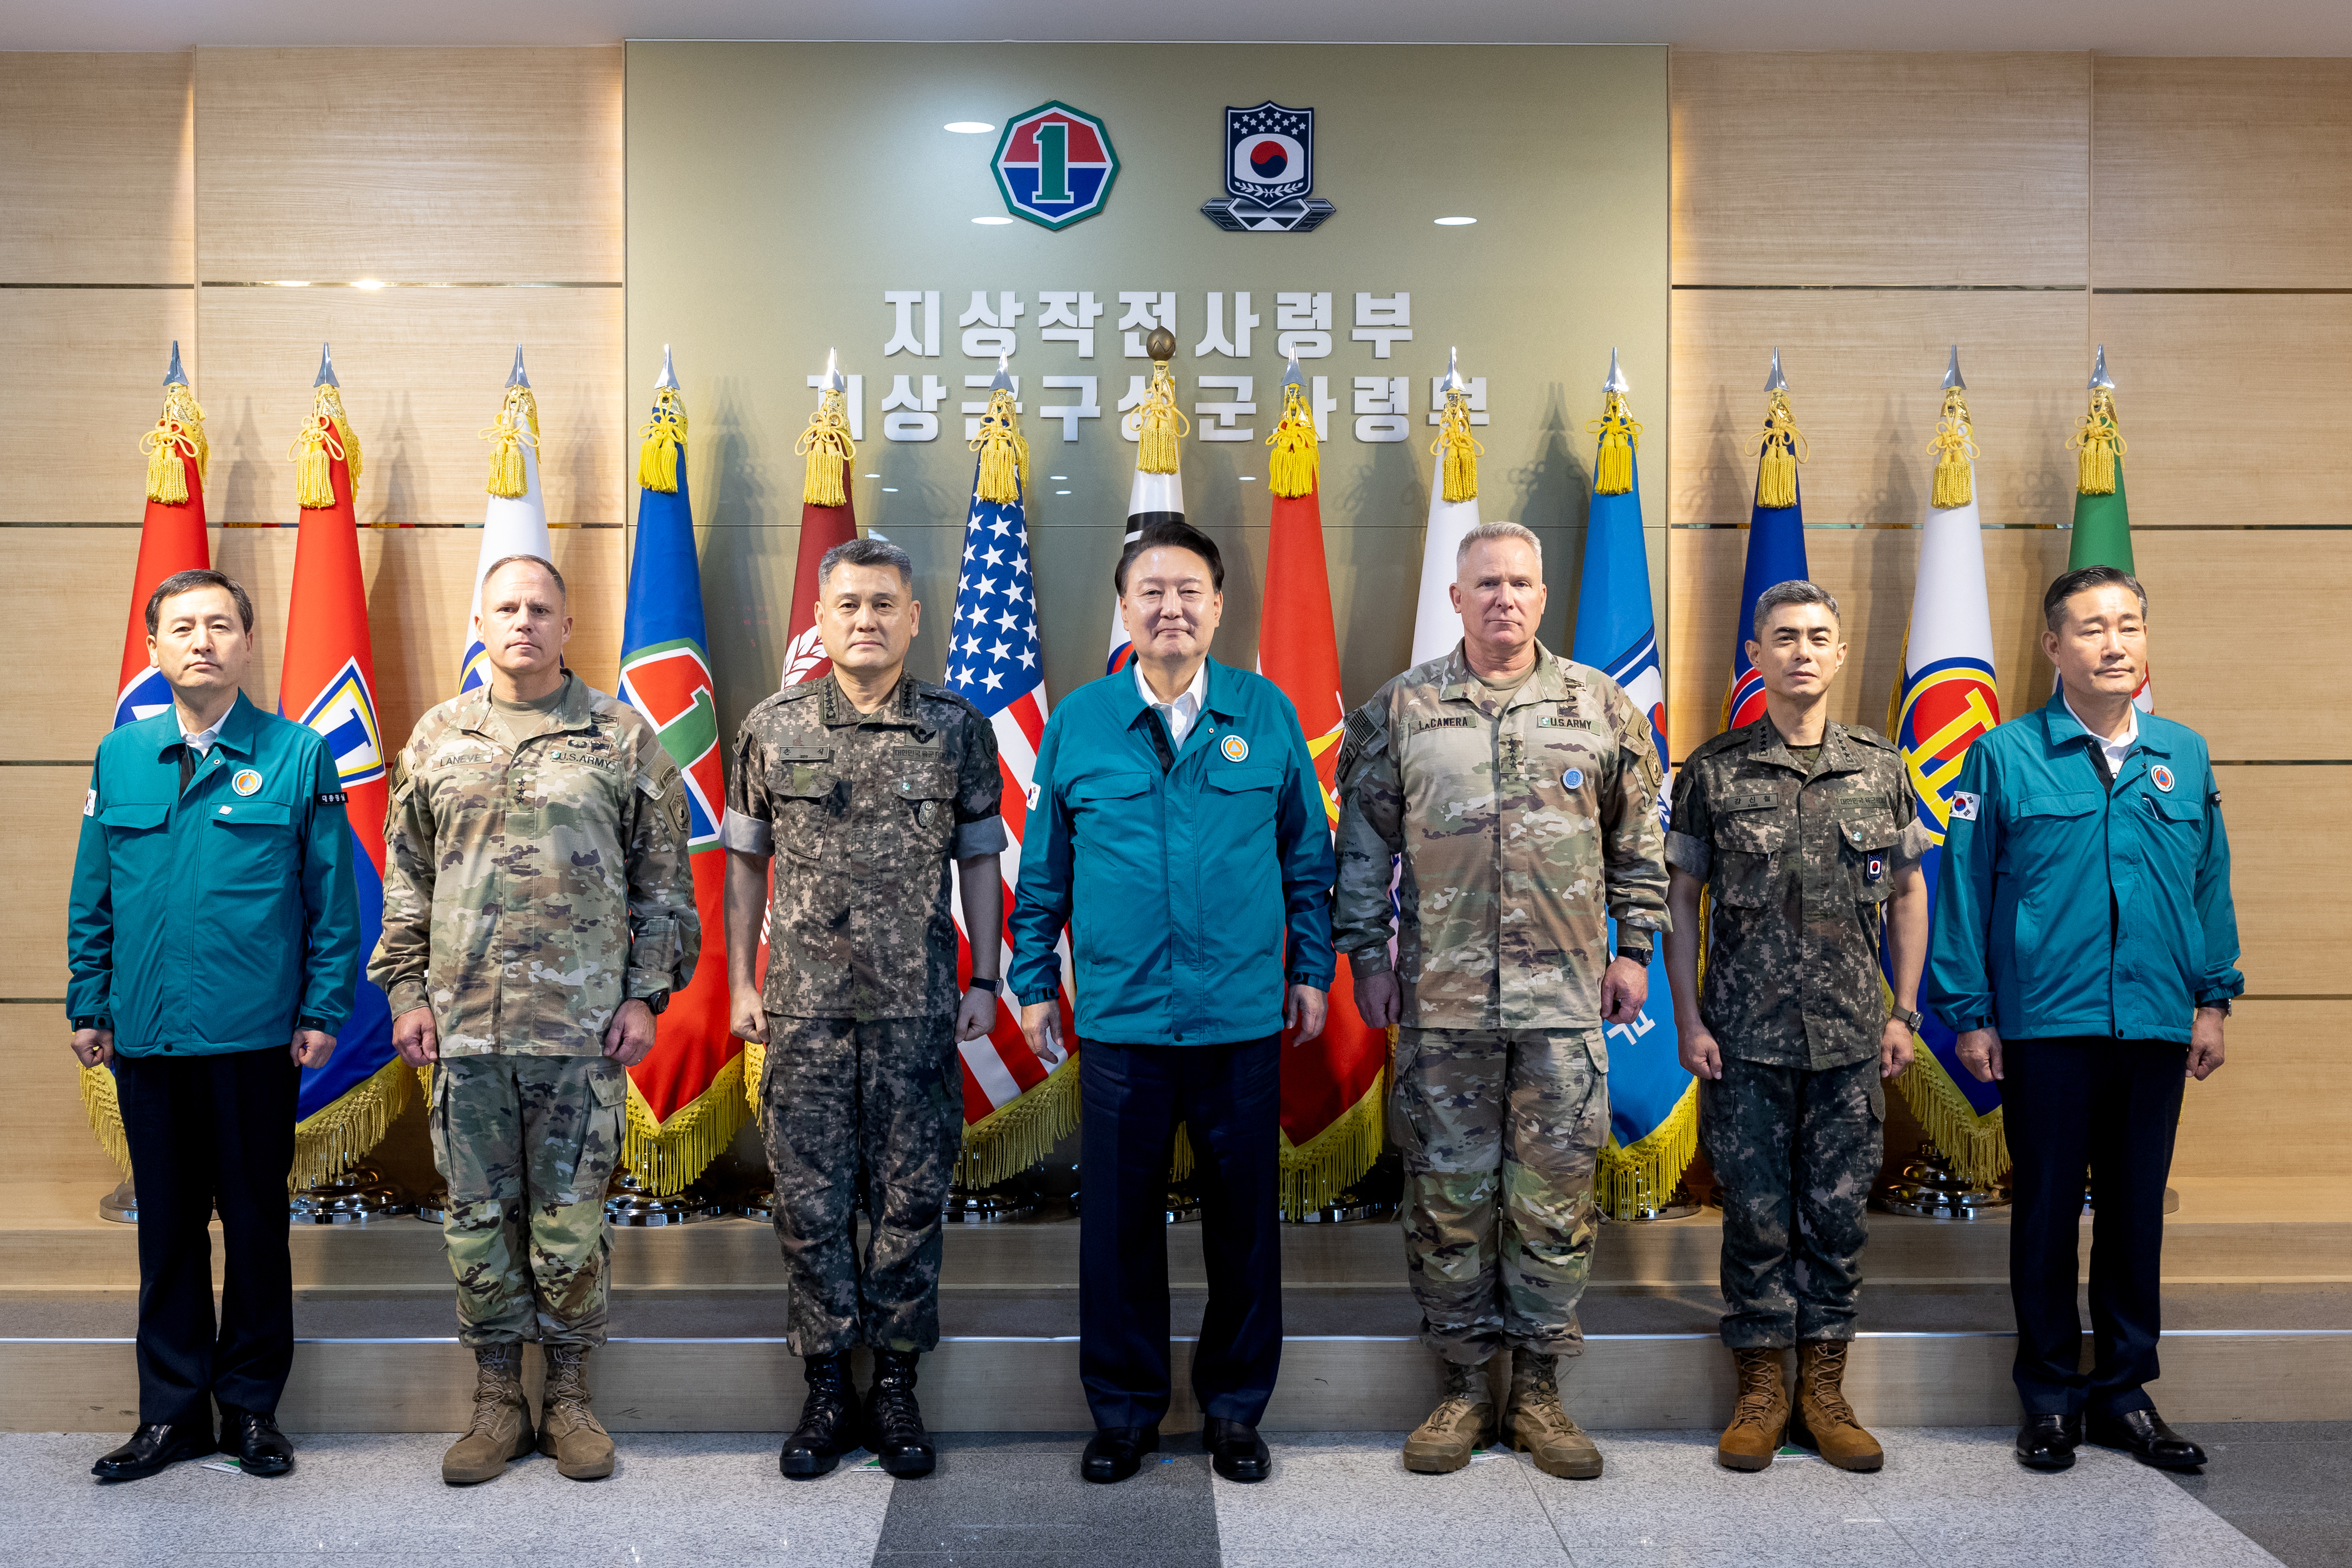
1749	833
1866	841
1401	1131
655	946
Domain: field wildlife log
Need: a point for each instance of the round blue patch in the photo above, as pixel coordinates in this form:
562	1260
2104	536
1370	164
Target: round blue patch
1573	779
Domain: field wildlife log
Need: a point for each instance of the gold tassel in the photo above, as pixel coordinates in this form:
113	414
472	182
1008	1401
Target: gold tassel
1296	463
1651	1168
826	442
330	403
330	1142
320	438
1612	470
1781	446
1160	426
1459	451
179	434
666	1155
1315	1173
1003	455
2098	444
105	1115
1955	447
755	1064
665	433
1021	1131
517	422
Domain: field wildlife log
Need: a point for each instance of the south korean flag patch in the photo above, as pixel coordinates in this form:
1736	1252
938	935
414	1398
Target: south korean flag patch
1873	869
1964	806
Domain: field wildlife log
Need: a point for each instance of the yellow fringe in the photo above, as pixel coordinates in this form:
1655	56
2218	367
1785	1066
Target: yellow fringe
2097	443
1781	447
1955	450
1456	447
755	1067
667	1155
1003	455
1612	470
1021	1131
1652	1166
105	1115
517	424
330	1142
665	433
1976	1148
1296	462
1180	1159
827	445
1317	1171
178	432
1159	424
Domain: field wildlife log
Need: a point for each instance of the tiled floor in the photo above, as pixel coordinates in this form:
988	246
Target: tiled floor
1947	1497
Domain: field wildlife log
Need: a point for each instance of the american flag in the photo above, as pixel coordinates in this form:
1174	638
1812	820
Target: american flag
993	659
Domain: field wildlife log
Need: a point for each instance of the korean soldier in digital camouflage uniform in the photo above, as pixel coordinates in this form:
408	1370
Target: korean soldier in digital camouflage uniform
537	911
1521	789
1805	836
860	788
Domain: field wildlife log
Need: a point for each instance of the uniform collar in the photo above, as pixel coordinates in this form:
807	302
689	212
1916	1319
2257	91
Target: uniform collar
2063	729
233	733
575	710
838	711
1837	751
1551	679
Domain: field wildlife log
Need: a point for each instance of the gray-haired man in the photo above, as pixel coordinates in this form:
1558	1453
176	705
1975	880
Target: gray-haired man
866	784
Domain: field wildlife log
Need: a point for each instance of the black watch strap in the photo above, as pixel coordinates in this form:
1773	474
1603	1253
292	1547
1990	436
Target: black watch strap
656	1002
984	983
1914	1021
92	1020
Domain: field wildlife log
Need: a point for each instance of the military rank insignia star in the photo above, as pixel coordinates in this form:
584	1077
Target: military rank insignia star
1964	806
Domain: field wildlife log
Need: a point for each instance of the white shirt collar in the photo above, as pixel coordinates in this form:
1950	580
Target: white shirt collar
1180	714
201	743
2120	747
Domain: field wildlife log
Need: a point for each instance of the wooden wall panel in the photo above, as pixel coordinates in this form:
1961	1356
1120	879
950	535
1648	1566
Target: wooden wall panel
430	164
2216	393
72	593
84	382
423	372
2279	1097
2289	881
1866	372
99	181
2210	593
2222	173
1880	168
42	1124
43	805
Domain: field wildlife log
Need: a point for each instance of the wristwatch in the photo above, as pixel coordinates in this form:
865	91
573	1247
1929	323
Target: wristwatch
984	983
1640	952
2219	1003
1914	1021
656	1002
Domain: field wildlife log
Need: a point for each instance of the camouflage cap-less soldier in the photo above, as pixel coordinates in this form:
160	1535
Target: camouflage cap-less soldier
1798	864
863	811
1524	820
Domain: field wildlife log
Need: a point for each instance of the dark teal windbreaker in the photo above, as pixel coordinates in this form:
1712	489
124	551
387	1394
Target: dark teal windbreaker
2066	908
1181	890
211	921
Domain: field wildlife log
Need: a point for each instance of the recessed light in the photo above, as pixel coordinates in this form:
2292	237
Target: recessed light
1247	478
889	489
1456	223
970	127
992	222
1061	492
873	475
369	283
1058	476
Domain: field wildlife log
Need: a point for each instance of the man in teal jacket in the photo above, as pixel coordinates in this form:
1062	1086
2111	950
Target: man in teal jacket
2085	953
214	937
1177	827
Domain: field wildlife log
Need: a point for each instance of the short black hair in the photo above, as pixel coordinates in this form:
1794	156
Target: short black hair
1171	533
181	582
868	550
2081	581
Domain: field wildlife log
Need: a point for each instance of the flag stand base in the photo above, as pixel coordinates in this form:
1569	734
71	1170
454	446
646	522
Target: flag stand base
988	1205
121	1205
434	1207
1929	1188
760	1205
355	1197
629	1201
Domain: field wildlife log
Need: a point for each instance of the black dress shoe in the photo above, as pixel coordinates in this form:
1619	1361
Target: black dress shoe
2047	1442
829	1419
2142	1435
1236	1450
154	1446
261	1450
1116	1453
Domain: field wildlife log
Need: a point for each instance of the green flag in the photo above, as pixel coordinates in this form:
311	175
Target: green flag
2102	517
2102	530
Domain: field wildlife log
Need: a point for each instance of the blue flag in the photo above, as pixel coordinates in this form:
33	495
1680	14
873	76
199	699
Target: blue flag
1775	553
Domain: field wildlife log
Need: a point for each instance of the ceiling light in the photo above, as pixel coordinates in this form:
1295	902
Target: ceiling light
1058	476
889	489
970	127
369	283
1061	492
1456	223
873	475
992	221
1247	478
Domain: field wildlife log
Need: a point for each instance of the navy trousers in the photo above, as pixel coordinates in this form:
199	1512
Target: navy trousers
206	1132
1230	1099
2111	1105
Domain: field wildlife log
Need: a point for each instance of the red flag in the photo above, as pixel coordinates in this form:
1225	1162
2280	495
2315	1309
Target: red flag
1331	1125
822	527
171	540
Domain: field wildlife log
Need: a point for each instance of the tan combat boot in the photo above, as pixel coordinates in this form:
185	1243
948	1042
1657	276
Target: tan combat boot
1540	1428
1463	1420
1761	1418
501	1428
568	1430
1825	1422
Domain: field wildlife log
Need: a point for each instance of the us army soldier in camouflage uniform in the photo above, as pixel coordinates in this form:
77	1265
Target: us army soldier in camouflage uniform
1805	835
1521	789
537	911
863	787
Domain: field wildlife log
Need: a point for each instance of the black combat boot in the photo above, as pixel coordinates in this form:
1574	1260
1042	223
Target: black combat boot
893	1425
828	1426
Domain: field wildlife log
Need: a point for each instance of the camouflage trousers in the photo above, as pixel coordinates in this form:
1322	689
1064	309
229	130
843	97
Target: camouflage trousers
1499	1130
861	1116
1795	1154
527	1144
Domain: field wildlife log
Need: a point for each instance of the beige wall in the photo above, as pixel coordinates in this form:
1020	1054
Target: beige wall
1859	212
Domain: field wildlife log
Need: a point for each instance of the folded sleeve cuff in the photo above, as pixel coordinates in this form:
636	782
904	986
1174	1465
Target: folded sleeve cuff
405	996
1371	960
1687	853
985	837
1913	846
746	835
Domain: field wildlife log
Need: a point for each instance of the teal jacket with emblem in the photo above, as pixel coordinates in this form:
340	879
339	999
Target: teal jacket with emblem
211	920
2064	907
1182	889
